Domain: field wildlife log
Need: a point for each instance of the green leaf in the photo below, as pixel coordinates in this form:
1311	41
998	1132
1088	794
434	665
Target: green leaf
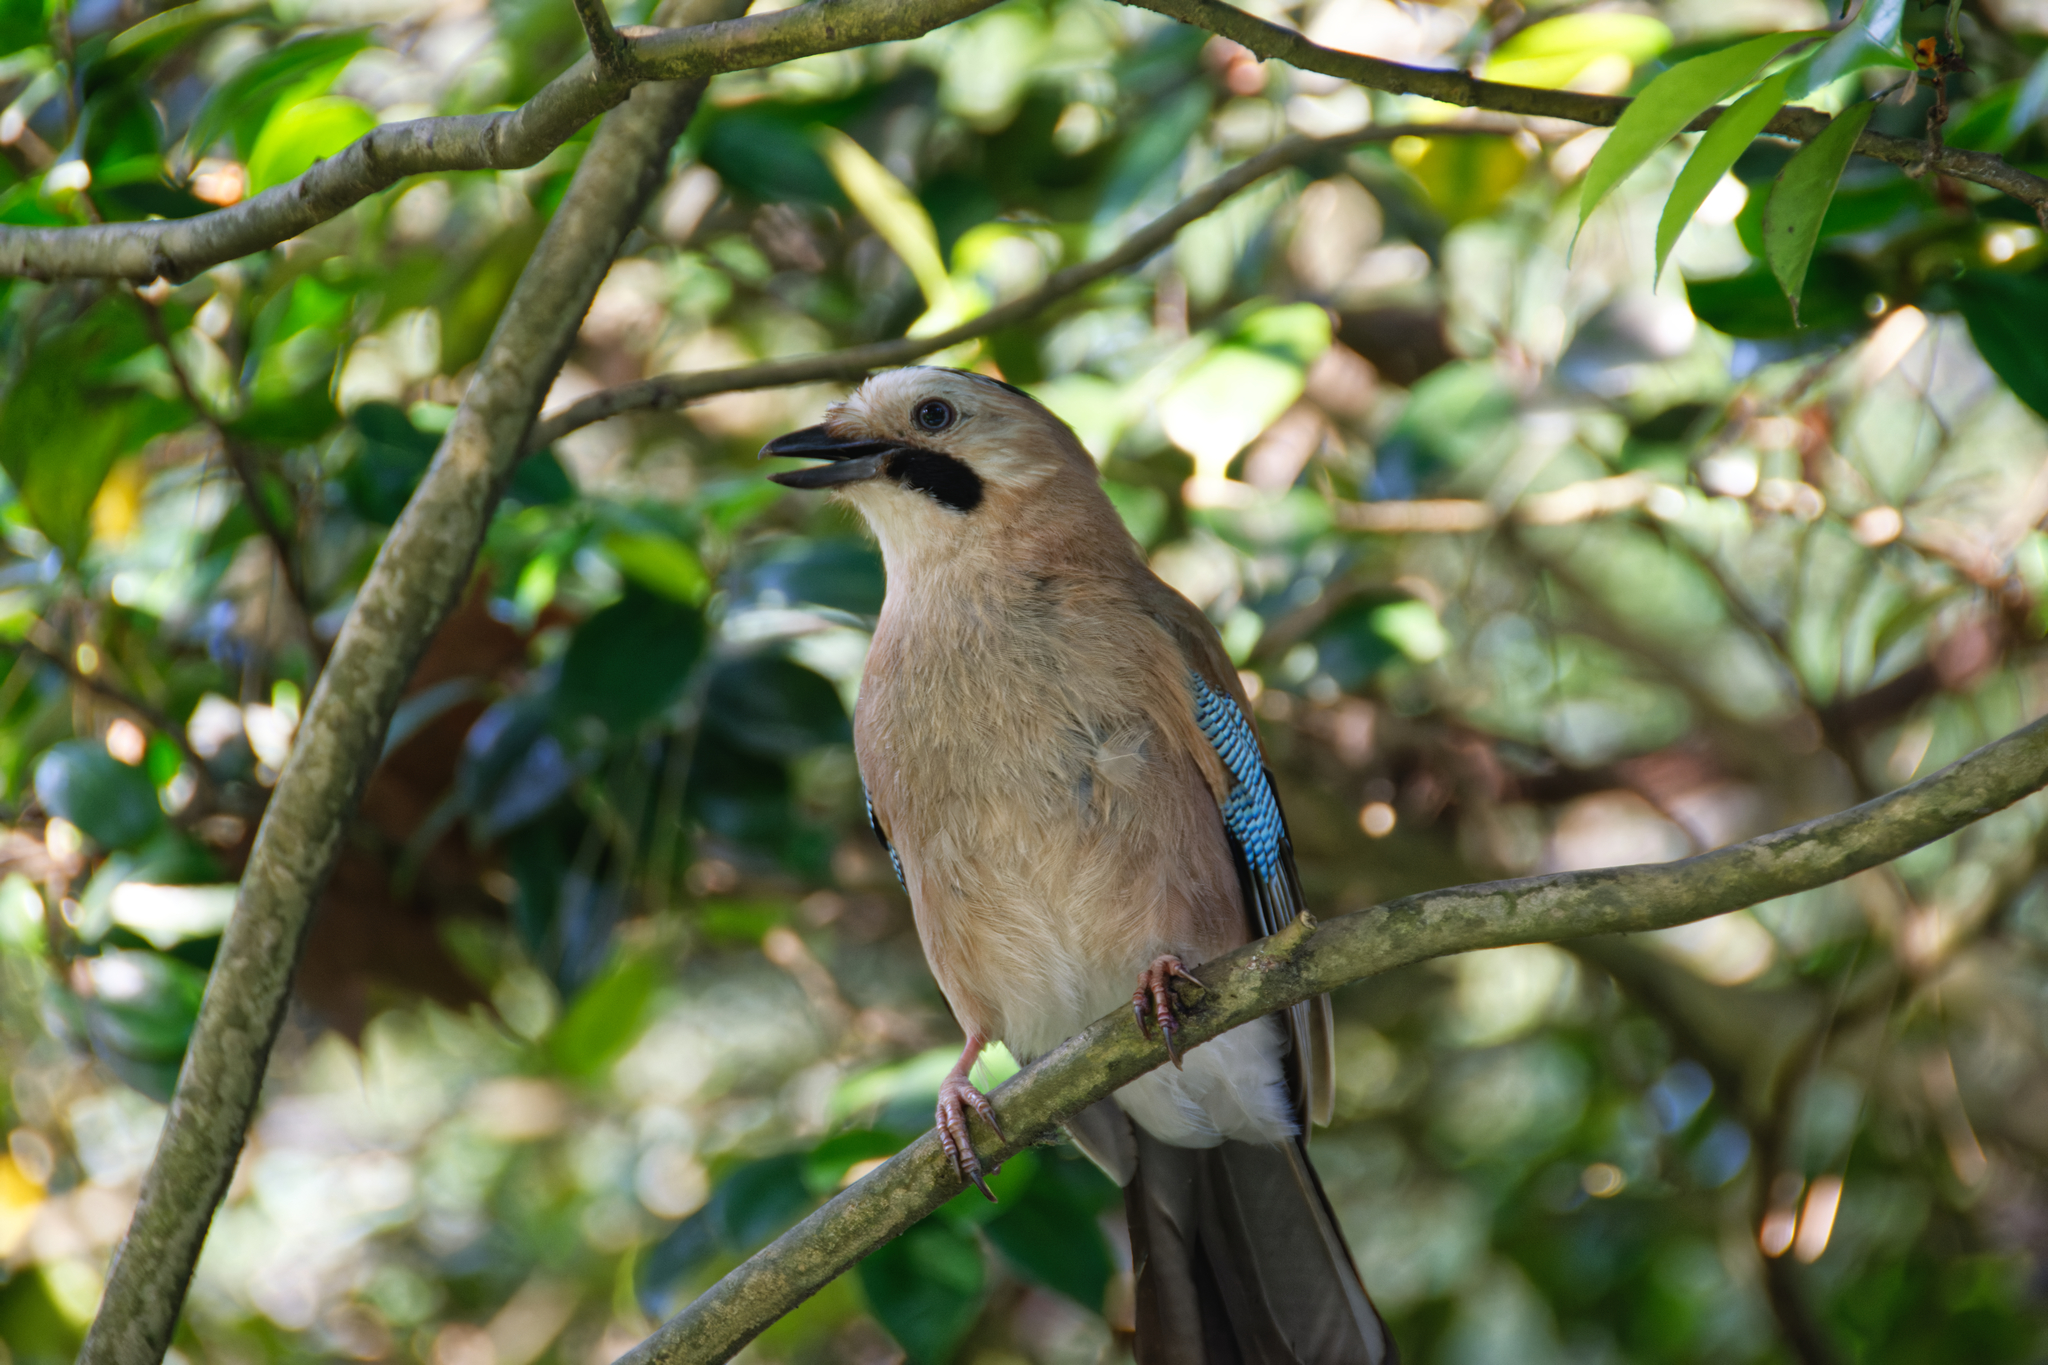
1050	1233
1668	104
1799	199
606	1018
1870	41
926	1288
80	781
1718	150
140	1014
630	660
662	563
2005	314
73	411
1554	51
770	706
239	105
294	138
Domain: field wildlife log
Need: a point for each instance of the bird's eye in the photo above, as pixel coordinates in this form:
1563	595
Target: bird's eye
935	414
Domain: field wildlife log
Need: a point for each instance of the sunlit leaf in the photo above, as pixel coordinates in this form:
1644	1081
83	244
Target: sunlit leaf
1465	177
1718	150
662	563
1799	199
893	211
1553	52
240	104
2008	319
606	1018
1667	104
296	136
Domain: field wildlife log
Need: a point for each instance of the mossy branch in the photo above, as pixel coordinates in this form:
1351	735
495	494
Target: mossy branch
1306	960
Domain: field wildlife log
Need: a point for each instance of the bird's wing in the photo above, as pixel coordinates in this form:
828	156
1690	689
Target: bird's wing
1257	830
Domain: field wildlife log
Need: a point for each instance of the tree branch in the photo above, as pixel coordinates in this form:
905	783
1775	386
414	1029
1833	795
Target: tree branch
1456	87
179	249
1306	960
613	53
674	390
418	576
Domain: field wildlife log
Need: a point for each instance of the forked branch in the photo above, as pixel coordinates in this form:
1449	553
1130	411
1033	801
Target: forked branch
177	250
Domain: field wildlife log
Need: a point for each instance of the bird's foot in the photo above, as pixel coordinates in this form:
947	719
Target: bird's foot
956	1096
1153	1000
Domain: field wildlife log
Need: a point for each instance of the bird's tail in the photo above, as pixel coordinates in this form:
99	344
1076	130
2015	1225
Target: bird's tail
1239	1261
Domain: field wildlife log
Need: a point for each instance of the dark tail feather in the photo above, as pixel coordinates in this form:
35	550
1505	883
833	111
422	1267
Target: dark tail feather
1239	1261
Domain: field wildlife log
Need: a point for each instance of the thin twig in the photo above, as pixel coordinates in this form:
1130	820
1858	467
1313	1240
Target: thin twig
613	53
1456	87
673	390
179	249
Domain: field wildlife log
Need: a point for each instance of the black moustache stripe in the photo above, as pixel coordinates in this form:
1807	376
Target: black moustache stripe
940	477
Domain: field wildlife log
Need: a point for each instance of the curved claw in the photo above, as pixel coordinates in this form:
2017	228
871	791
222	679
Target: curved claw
956	1096
1154	1001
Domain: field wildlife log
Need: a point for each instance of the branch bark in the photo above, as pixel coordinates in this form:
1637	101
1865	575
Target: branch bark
417	578
178	250
674	390
181	248
1270	40
1305	960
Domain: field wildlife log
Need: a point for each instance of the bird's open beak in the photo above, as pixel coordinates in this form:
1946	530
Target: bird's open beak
850	461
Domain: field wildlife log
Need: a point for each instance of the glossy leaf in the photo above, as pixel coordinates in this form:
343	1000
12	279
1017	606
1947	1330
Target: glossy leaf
1552	52
606	1018
239	105
1869	40
1799	199
2008	319
83	783
74	409
631	660
139	1015
1050	1231
1667	104
892	210
388	464
660	563
1719	148
926	1288
771	706
296	136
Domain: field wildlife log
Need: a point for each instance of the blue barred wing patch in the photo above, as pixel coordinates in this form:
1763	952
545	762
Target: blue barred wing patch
1250	812
895	862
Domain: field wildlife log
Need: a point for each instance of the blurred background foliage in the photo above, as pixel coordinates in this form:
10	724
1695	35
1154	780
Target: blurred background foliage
1530	562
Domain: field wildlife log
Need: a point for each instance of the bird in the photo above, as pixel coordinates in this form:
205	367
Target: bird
1059	758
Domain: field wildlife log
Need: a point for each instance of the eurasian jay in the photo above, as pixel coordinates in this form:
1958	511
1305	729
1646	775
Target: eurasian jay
1060	761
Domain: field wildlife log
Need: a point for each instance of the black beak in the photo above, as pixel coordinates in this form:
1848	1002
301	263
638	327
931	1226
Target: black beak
850	461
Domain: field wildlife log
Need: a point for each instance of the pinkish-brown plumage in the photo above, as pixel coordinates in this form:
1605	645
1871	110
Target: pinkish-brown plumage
1027	734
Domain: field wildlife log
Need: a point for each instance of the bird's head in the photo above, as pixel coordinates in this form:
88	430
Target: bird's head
944	458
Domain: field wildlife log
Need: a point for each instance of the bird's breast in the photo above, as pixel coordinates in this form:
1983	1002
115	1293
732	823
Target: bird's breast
1022	758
